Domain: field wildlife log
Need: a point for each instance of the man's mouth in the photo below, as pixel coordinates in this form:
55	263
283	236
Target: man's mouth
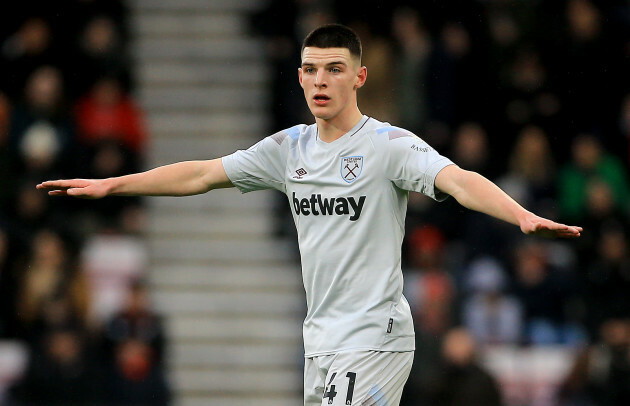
321	99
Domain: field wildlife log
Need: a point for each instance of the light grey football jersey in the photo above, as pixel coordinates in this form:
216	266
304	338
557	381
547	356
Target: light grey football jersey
349	199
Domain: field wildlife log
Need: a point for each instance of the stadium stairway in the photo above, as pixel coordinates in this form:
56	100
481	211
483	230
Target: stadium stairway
229	290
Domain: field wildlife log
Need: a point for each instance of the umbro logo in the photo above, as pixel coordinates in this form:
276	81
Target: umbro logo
299	174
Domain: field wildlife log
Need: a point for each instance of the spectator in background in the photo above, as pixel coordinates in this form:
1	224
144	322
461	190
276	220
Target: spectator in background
41	128
49	274
413	48
7	156
624	126
544	292
429	287
29	213
135	379
531	174
107	112
470	149
430	291
111	260
528	97
100	53
61	372
584	62
464	381
30	47
449	72
602	215
377	97
505	34
590	162
607	279
134	346
7	288
491	315
137	320
600	374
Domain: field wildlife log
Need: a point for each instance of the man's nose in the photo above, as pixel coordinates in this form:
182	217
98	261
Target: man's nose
320	79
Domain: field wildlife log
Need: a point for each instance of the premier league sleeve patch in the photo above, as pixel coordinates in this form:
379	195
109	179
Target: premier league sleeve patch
351	167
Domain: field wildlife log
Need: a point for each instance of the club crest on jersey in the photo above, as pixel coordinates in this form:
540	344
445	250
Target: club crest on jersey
351	167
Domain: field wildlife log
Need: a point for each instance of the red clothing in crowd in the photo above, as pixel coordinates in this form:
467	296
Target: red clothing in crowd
121	121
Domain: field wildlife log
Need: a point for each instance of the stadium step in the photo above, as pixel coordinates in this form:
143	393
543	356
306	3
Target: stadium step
231	381
196	248
181	123
197	356
207	97
167	150
252	277
213	224
166	23
229	303
235	50
243	399
232	329
218	201
188	73
188	6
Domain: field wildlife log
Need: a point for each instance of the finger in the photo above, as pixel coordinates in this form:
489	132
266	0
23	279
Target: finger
57	193
568	234
560	227
44	185
53	184
545	229
573	229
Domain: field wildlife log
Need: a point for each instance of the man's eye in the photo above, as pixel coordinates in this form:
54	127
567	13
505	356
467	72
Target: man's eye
335	70
309	70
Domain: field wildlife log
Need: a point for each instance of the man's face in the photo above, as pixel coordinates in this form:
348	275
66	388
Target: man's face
330	77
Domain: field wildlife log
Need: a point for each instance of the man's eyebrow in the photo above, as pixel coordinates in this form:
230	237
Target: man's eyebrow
328	64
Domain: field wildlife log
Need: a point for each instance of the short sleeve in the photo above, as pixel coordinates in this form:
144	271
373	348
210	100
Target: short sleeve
260	167
413	165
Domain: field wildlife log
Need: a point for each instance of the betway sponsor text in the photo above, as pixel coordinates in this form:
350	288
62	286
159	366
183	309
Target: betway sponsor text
328	206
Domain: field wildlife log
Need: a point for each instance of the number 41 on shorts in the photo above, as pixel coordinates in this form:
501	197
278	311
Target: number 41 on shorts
330	392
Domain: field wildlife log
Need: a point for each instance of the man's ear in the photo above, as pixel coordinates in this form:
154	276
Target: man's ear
300	76
361	77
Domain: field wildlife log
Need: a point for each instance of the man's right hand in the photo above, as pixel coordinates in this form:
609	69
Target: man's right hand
80	188
179	179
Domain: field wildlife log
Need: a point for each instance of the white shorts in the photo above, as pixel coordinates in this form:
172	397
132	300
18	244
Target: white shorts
363	378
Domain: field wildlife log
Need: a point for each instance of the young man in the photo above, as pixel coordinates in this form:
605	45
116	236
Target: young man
347	178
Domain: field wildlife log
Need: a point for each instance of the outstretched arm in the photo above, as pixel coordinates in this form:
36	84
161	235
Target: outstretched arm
179	179
475	192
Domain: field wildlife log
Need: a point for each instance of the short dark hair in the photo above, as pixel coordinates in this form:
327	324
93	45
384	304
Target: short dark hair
334	36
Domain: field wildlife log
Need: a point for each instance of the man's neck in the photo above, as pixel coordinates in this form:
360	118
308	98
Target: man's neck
331	130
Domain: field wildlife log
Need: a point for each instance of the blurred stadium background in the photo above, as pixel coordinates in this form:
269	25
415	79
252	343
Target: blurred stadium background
198	301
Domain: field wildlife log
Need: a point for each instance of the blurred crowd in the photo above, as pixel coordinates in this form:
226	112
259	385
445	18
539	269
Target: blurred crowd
534	95
72	273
